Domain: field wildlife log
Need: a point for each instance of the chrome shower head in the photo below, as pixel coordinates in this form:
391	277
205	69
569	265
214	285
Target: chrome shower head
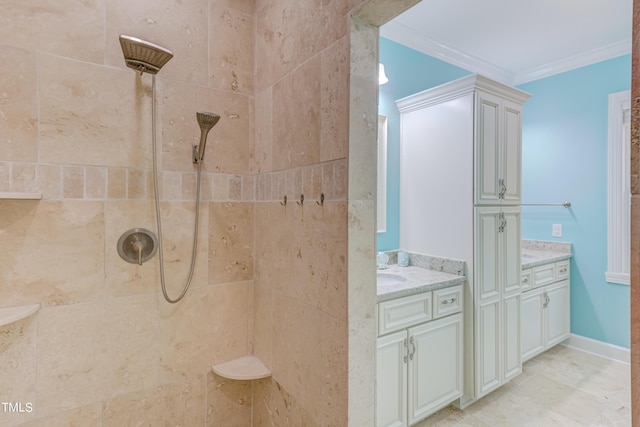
206	121
143	56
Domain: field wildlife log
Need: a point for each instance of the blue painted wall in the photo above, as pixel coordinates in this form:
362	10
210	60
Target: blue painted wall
564	158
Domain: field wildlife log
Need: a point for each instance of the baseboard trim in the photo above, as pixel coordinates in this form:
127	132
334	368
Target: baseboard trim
598	348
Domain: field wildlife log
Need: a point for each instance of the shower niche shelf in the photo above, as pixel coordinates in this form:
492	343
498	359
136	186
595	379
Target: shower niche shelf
13	314
244	368
20	196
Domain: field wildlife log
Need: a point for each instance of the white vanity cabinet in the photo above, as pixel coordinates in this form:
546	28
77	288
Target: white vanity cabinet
419	356
460	186
546	313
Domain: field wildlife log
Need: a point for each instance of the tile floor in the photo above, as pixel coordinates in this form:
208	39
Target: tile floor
561	387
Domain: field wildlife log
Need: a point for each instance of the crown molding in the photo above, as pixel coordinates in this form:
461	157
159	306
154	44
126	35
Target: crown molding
406	36
600	54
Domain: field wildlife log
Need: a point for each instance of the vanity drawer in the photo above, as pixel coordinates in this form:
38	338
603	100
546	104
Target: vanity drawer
544	275
447	301
526	281
562	270
403	312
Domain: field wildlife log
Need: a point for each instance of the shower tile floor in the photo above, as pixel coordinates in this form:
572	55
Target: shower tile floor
561	387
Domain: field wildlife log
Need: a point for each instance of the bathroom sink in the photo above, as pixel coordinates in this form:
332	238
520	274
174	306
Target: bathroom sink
389	279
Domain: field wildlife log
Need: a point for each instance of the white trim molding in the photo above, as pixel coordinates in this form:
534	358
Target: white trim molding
406	36
598	348
594	56
409	37
618	191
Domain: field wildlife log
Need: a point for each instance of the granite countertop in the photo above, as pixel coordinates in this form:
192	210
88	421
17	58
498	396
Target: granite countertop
539	252
418	280
532	258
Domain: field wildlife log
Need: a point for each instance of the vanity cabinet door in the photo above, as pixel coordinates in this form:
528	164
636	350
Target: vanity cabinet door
532	327
435	366
391	380
558	314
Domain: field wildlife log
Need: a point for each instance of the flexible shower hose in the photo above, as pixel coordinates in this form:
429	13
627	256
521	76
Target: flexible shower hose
157	204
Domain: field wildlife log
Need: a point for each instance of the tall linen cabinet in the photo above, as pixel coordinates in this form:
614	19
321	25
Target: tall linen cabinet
460	186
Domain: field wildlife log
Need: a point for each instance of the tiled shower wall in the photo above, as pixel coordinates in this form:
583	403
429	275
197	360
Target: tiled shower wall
75	125
301	142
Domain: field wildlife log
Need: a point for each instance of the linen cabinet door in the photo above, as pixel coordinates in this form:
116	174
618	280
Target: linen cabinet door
391	380
511	149
488	301
488	153
511	327
488	354
510	240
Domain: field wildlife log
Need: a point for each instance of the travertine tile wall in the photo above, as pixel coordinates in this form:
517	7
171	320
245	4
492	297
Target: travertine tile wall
301	145
75	125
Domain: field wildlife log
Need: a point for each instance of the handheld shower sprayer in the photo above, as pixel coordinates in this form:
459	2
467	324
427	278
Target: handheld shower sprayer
206	121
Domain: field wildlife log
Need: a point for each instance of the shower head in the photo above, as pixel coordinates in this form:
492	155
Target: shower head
143	56
206	121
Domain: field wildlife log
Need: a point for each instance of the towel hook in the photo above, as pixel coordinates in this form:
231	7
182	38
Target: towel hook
321	202
284	203
301	200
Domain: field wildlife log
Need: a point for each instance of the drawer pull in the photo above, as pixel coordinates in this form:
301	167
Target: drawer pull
563	270
449	301
525	280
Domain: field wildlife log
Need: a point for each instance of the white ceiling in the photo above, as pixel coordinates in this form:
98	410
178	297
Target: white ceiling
515	41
